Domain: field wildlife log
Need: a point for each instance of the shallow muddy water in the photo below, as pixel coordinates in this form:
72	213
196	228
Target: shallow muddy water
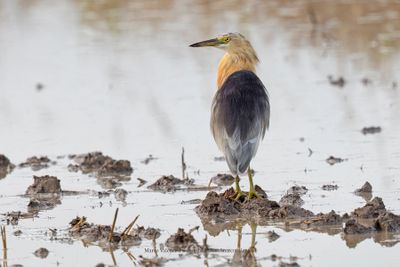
118	77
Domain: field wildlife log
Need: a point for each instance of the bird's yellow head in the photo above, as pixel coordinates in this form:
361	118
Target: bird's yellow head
239	54
225	41
220	41
233	43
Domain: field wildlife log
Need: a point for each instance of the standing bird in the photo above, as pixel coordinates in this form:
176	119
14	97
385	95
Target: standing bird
240	109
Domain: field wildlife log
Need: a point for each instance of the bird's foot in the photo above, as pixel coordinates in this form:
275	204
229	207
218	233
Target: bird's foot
252	194
239	194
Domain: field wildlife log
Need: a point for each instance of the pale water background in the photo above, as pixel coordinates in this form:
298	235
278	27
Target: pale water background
118	76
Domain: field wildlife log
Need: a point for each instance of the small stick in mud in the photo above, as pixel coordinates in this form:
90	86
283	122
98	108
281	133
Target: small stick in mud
194	229
183	164
4	239
113	225
128	228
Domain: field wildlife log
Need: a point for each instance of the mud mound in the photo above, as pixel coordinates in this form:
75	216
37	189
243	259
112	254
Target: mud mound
44	185
224	206
5	166
182	241
169	183
99	164
372	209
219	212
222	179
103	235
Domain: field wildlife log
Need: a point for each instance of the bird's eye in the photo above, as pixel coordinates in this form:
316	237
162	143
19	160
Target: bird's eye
227	39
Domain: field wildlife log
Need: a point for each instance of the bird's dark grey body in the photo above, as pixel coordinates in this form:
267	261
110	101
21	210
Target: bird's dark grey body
239	118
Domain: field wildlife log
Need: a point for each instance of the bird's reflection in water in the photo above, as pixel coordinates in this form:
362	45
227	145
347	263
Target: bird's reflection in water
246	257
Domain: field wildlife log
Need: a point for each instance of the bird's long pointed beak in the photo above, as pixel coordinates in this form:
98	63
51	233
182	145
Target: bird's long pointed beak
211	42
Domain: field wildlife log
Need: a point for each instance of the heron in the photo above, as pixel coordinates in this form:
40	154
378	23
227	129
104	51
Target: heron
240	110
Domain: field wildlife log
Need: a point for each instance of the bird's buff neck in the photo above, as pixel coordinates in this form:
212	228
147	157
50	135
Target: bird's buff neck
232	62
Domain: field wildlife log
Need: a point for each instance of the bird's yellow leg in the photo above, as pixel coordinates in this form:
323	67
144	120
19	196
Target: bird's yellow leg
252	191
238	191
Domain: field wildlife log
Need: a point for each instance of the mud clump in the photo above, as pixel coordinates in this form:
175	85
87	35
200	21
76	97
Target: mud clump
44	185
13	217
388	222
6	166
147	233
340	81
182	241
169	183
330	187
224	206
37	163
102	234
222	179
334	160
296	189
365	191
44	193
291	199
120	194
272	236
41	253
101	165
366	188
372	209
353	227
371	130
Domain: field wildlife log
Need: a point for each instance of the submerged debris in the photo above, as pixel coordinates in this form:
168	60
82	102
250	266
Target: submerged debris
340	81
151	262
222	179
148	159
221	158
5	166
333	160
365	81
169	183
13	217
371	130
330	187
41	253
37	163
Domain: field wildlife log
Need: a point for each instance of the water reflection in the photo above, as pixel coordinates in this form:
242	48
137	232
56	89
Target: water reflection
386	239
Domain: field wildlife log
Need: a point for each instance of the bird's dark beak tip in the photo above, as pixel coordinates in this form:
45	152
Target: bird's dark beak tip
193	45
